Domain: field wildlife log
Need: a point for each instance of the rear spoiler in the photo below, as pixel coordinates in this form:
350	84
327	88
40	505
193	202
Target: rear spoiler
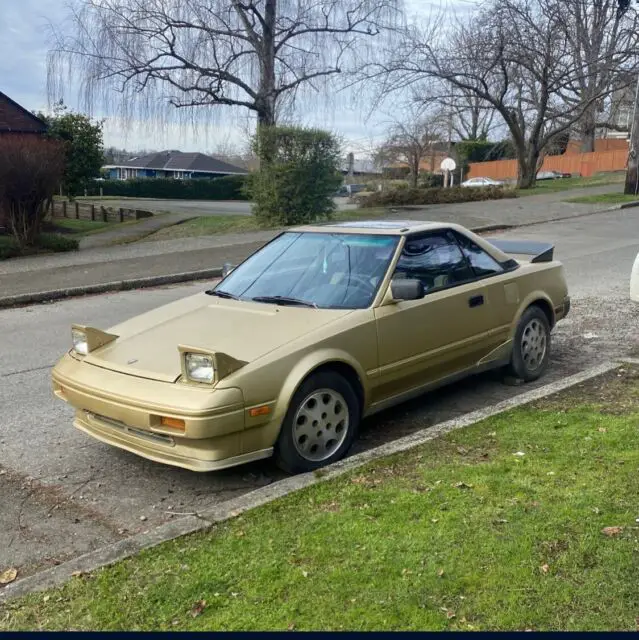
541	251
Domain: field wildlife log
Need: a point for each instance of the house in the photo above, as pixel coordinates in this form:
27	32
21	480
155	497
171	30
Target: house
15	119
172	164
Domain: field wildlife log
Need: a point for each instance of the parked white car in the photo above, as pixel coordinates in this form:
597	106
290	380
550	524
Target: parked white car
634	281
482	182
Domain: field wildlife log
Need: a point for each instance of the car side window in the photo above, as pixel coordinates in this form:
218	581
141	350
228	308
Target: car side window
434	259
483	264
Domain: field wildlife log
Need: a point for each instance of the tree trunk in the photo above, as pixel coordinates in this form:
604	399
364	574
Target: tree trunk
589	129
266	99
632	173
414	172
527	162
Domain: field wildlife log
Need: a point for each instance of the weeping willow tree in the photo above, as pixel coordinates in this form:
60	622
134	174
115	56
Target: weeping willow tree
157	58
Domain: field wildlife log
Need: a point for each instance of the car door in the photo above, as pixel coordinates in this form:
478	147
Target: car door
421	341
499	288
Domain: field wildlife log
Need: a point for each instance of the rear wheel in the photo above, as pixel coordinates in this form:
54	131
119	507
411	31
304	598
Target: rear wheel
531	348
320	424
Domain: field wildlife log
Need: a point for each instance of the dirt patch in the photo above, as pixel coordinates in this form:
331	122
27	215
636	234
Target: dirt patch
42	527
616	392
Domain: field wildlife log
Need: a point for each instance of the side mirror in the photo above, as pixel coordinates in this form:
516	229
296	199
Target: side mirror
227	267
407	289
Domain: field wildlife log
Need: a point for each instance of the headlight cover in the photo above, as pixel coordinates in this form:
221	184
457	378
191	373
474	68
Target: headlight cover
199	367
80	342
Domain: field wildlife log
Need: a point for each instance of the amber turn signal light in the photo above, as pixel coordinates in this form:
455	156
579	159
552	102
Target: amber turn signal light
264	410
174	423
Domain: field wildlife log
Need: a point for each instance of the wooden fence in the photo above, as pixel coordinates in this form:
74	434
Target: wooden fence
89	211
584	164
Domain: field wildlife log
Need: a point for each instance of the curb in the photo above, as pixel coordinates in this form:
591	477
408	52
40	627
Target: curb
119	285
627	205
123	549
24	299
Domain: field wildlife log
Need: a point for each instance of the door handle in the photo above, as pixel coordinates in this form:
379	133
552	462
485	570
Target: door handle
475	301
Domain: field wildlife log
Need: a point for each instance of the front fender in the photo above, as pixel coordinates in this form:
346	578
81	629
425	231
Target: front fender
305	367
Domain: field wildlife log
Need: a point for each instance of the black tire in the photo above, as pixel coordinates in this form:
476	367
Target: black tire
531	339
296	435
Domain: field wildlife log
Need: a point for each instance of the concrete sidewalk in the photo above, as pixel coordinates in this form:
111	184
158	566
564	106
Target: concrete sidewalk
123	233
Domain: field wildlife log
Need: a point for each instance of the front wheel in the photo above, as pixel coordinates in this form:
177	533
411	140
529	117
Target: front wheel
531	348
320	424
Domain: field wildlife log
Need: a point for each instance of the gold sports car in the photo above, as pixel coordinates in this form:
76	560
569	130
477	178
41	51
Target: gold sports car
318	329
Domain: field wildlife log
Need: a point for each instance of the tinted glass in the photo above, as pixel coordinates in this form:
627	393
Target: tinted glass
329	270
481	262
436	260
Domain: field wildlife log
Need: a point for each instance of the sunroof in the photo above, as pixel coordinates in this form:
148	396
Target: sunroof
378	224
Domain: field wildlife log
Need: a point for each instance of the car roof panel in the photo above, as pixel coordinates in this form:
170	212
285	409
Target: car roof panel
386	227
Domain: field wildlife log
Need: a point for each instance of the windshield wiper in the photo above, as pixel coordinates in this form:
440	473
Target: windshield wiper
222	294
283	300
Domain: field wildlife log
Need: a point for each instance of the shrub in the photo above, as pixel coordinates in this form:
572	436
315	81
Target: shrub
431	180
407	197
10	248
57	242
30	170
298	176
225	188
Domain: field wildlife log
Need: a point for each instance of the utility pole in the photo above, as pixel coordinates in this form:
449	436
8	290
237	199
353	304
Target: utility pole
632	173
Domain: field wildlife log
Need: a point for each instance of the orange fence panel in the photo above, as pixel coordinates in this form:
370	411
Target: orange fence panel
585	164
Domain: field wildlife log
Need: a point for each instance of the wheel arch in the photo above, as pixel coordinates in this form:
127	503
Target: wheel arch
538	299
336	360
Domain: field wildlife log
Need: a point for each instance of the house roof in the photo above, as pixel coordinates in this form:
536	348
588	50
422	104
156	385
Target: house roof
179	161
16	119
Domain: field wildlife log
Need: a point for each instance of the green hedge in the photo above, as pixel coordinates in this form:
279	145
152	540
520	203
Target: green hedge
225	188
406	197
47	242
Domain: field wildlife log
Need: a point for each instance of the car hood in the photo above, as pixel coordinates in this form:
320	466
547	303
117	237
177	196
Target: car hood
147	345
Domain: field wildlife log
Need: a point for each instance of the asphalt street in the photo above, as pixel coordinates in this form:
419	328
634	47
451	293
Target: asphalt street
62	493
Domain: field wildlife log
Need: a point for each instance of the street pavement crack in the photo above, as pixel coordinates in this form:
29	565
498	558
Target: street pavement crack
15	373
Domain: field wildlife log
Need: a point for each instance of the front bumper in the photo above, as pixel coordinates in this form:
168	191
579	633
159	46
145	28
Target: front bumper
209	454
125	411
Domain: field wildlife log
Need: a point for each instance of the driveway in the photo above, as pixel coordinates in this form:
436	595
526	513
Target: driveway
64	493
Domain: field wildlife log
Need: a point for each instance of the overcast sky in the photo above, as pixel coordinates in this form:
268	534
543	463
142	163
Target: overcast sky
23	48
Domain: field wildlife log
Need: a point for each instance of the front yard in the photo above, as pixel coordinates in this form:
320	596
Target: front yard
219	224
565	184
524	521
615	197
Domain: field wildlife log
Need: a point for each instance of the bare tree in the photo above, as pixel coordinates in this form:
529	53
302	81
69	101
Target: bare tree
409	142
603	36
513	55
253	54
463	113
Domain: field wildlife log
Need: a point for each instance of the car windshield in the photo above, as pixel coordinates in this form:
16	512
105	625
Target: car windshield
325	270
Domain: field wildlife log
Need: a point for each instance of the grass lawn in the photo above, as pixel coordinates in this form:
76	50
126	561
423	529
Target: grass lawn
605	198
499	526
80	227
564	184
211	225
